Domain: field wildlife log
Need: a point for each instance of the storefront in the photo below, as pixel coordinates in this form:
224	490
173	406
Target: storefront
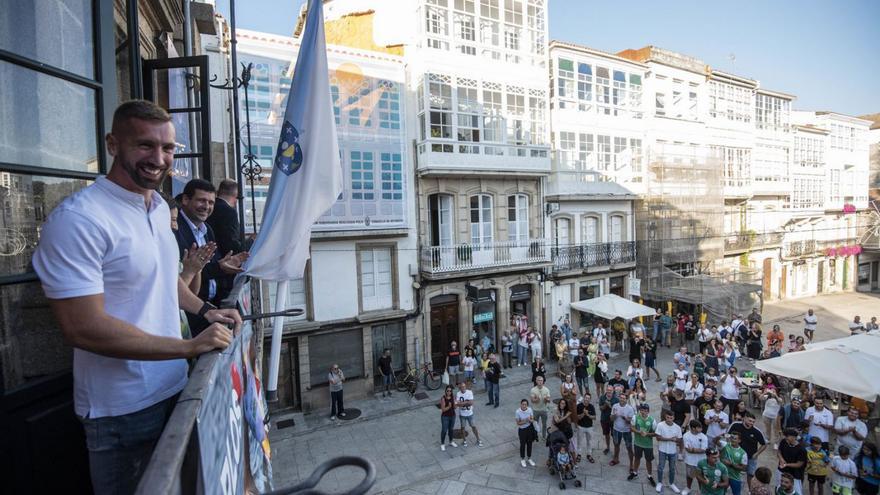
484	318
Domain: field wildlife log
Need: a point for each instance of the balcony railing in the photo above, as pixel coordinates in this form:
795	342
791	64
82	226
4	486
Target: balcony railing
743	242
467	256
581	256
799	248
443	155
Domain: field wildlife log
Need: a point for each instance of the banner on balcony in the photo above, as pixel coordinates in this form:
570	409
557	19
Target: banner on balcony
231	427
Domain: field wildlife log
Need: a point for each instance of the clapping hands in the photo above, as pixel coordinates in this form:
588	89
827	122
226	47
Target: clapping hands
232	263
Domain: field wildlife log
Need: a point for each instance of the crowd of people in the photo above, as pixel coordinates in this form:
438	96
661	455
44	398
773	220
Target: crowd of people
709	414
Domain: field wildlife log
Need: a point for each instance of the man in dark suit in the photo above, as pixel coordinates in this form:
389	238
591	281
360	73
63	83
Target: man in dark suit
196	205
224	219
224	222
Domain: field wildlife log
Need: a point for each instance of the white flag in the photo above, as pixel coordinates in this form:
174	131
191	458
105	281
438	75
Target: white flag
307	174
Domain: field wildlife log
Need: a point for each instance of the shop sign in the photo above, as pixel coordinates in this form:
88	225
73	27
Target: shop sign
483	317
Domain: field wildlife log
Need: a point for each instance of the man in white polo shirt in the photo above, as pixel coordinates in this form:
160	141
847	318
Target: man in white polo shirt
107	260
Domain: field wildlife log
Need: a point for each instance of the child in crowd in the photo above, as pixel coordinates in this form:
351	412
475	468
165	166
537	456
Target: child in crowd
817	466
695	444
760	484
564	461
844	472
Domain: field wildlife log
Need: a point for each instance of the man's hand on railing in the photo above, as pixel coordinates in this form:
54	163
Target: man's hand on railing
228	316
216	336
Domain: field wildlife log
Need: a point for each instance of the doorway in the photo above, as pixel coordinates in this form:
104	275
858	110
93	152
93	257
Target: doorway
444	327
389	336
288	376
766	281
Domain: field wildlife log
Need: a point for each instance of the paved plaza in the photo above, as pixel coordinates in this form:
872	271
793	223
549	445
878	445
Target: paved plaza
401	436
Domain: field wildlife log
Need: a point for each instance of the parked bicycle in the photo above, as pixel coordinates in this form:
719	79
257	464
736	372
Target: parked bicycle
409	380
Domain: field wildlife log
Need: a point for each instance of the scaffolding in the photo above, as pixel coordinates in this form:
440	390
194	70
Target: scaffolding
680	234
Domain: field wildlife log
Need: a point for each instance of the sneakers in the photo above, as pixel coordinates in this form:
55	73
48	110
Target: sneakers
464	443
442	447
631	476
479	443
659	488
522	462
453	444
674	488
652	482
490	403
531	462
332	418
685	491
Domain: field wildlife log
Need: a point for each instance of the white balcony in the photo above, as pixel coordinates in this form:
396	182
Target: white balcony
442	260
444	156
738	187
574	185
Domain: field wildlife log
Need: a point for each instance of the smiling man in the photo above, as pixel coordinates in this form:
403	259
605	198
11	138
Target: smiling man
107	261
197	204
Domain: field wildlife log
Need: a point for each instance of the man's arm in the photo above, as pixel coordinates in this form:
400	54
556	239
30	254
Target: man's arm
85	325
191	303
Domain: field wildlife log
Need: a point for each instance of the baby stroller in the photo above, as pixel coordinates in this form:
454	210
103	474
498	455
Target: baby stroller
556	441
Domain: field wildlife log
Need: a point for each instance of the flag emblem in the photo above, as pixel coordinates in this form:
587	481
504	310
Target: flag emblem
289	156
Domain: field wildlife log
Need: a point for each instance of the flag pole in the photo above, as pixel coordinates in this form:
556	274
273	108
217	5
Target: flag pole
275	352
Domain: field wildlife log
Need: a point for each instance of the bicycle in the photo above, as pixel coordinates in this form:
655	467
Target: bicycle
409	380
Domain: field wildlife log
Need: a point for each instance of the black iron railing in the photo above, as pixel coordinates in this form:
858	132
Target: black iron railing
580	256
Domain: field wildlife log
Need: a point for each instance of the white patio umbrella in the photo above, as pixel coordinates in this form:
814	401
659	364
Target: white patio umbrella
612	306
865	342
839	367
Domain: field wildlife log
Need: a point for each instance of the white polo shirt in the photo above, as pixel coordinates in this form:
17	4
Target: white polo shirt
102	240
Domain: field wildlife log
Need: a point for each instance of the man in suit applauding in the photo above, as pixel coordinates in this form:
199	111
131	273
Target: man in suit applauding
227	230
224	219
197	204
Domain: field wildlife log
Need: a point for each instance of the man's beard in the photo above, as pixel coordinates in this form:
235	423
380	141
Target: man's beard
142	181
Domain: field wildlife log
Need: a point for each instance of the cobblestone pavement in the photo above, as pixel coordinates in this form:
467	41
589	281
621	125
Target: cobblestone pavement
400	435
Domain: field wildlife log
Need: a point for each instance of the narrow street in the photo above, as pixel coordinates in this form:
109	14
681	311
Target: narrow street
400	436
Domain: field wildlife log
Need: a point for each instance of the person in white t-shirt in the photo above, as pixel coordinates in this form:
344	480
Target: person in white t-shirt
704	335
693	388
464	405
574	344
856	326
821	421
108	263
730	386
844	472
600	332
681	376
668	435
810	322
851	431
717	421
695	444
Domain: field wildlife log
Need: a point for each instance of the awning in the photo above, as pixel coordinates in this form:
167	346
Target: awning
838	367
612	306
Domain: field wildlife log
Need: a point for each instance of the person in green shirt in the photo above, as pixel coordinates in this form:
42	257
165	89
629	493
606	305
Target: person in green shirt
735	458
711	474
643	426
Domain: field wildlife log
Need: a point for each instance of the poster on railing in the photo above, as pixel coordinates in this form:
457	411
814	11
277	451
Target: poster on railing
231	424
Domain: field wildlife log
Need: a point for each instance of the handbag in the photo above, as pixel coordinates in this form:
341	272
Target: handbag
445	378
533	432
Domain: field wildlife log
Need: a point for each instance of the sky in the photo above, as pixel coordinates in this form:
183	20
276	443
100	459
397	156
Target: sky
825	52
